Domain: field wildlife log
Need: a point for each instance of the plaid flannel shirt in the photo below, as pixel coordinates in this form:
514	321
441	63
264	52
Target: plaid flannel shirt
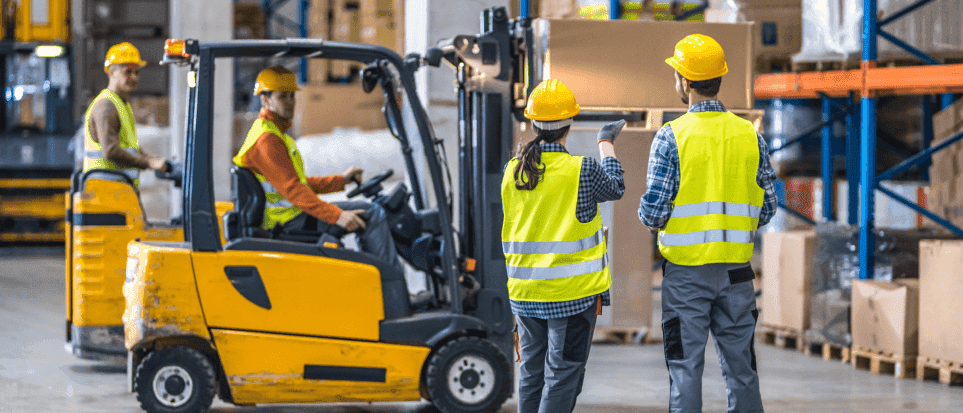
662	179
597	183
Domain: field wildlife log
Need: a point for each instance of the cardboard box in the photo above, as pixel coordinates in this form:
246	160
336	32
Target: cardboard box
249	21
557	9
319	27
320	109
941	309
886	316
787	263
623	77
778	30
151	110
382	24
631	241
345	27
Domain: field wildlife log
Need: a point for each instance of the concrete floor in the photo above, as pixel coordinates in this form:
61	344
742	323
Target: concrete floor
36	375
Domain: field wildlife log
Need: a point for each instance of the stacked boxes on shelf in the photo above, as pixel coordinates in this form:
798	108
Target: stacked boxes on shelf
946	181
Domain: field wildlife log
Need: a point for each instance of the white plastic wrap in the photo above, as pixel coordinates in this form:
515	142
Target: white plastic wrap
725	11
832	29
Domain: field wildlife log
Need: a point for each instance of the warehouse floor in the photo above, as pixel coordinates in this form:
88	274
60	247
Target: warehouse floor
36	375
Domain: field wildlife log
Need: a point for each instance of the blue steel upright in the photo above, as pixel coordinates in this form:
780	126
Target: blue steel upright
523	8
867	148
614	10
827	146
852	163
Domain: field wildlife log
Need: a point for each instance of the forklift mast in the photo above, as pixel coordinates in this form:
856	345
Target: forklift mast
488	87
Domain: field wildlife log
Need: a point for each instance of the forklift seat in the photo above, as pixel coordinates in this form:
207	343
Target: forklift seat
249	199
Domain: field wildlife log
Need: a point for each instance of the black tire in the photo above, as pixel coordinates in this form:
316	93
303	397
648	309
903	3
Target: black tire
175	380
469	375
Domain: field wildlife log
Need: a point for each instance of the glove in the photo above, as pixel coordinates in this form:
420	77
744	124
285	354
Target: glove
611	130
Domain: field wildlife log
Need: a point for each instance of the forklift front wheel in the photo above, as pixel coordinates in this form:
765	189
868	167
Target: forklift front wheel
468	374
175	380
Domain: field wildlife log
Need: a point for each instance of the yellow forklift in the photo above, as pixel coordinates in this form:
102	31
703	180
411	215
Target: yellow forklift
260	317
104	213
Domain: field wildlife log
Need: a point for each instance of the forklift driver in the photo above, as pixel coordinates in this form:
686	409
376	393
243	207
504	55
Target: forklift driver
110	140
292	201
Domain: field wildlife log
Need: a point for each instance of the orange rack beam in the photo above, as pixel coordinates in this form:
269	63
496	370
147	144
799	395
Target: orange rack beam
908	80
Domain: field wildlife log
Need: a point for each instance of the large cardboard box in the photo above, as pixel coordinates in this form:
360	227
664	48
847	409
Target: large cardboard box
941	309
886	316
787	263
631	241
605	74
345	27
320	109
382	24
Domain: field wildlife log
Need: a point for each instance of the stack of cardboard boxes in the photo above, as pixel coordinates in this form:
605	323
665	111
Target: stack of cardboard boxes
333	96
946	181
788	269
249	21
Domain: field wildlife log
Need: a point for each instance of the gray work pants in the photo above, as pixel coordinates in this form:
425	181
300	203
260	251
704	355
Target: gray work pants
375	238
717	298
553	352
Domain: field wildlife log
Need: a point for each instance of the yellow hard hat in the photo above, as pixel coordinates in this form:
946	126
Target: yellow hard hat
551	100
698	57
123	53
276	78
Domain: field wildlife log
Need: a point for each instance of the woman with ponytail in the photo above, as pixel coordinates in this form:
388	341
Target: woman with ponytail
558	274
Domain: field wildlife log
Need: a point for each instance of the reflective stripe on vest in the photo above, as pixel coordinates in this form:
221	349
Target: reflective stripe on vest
549	255
550	247
716	211
127	138
277	210
702	237
97	154
718	207
561	271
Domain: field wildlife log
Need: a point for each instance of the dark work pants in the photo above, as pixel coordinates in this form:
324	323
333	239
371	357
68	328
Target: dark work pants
554	352
717	298
375	238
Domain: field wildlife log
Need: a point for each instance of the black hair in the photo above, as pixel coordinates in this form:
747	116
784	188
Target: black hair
708	88
529	167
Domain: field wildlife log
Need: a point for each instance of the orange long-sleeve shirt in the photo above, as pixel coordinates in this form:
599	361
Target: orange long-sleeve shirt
269	157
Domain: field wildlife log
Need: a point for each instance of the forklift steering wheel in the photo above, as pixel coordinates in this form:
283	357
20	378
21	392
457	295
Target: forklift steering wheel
373	186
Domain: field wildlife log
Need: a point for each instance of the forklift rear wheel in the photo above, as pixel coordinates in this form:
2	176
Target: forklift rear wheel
468	374
175	380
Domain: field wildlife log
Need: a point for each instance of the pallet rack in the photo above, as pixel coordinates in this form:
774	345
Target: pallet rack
935	78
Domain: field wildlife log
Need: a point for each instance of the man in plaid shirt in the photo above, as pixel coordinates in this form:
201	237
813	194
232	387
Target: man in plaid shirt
710	187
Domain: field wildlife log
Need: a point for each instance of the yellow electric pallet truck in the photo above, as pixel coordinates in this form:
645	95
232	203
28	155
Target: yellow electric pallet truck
264	317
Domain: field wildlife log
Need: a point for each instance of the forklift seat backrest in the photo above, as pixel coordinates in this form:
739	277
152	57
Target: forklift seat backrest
249	200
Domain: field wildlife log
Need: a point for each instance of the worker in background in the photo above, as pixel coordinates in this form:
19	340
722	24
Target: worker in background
558	277
292	200
110	139
710	187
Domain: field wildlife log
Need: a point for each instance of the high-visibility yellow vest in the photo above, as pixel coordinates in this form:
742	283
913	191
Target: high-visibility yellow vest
549	254
716	212
93	157
277	209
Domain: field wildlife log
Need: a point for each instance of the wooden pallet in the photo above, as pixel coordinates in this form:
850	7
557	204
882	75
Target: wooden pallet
932	369
828	351
897	365
785	338
619	335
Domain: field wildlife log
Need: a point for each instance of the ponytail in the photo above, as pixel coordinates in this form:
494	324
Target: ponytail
529	168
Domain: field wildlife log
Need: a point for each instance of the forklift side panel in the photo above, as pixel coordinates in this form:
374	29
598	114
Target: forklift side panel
161	296
273	368
289	293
